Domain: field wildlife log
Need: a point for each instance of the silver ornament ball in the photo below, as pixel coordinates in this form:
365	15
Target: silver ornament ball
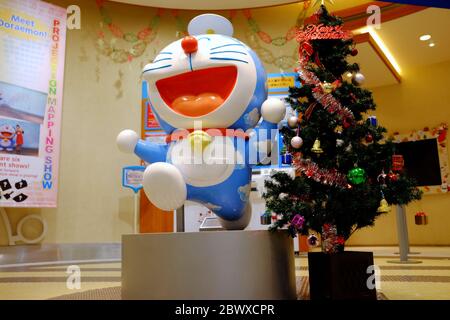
358	79
339	142
296	142
283	196
292	122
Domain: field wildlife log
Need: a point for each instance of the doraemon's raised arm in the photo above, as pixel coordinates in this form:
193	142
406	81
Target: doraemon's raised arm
206	91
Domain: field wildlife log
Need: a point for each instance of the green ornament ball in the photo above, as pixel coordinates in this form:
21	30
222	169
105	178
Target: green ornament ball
357	175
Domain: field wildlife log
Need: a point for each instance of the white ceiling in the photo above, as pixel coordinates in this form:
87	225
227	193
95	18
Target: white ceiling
401	36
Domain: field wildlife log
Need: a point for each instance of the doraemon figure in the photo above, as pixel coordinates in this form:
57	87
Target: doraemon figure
208	92
7	134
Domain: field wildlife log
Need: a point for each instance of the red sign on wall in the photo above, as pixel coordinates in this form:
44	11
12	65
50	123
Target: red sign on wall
150	120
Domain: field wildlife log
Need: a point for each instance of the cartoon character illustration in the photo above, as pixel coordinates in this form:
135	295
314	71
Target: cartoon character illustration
207	91
7	134
19	138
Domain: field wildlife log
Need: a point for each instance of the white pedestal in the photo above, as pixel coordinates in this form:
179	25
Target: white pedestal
208	265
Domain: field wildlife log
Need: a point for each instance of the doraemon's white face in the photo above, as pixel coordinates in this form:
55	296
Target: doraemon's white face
6	132
208	78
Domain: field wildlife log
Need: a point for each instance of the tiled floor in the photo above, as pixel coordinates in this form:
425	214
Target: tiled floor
50	281
428	280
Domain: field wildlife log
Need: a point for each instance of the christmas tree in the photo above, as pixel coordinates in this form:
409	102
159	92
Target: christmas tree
347	172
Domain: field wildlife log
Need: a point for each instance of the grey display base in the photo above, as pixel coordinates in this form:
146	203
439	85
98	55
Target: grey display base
208	265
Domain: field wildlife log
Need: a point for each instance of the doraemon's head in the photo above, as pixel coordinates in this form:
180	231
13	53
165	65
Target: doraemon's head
6	132
212	78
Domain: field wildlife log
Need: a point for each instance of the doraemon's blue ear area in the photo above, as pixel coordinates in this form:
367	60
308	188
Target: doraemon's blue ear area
210	23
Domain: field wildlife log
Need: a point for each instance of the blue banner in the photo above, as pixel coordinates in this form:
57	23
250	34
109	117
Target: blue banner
425	3
132	177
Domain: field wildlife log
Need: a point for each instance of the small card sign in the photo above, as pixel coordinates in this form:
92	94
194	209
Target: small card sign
132	177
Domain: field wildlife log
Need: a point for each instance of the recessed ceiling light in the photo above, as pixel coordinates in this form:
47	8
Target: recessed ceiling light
425	37
431	44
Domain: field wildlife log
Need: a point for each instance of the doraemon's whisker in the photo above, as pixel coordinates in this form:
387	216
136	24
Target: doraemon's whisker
162	67
230	51
227	45
165	53
231	59
163	59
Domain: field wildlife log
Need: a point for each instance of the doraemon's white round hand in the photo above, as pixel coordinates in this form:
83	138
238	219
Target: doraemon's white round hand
273	110
127	140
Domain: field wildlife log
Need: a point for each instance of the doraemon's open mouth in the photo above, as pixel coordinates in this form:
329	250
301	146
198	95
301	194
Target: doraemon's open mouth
6	134
198	92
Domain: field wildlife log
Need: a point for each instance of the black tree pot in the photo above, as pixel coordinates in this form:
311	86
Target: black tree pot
341	276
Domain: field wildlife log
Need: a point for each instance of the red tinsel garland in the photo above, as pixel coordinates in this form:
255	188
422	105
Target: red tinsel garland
312	170
325	99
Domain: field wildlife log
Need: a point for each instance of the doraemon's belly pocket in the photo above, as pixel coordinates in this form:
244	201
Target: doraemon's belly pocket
208	166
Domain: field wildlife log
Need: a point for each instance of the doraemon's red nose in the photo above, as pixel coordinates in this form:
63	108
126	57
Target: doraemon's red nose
189	44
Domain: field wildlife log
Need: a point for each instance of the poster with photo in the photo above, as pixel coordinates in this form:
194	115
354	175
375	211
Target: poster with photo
32	50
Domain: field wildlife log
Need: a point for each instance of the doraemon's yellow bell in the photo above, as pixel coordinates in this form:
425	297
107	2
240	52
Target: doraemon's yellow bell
316	147
199	140
384	207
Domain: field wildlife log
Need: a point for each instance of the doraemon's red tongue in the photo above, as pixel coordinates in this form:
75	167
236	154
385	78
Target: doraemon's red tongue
199	92
195	106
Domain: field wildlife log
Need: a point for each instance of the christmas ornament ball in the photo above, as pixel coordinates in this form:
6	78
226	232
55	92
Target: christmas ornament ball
356	175
327	87
369	138
296	142
339	142
313	240
283	196
354	52
358	79
392	176
292	122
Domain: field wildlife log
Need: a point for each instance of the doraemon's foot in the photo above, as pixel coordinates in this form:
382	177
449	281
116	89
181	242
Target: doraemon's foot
1	149
239	224
164	186
9	149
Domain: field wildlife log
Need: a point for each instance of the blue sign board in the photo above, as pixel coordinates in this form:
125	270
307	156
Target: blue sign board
132	177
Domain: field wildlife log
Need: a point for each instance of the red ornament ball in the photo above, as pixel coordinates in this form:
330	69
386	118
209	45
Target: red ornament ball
354	52
392	176
369	138
346	124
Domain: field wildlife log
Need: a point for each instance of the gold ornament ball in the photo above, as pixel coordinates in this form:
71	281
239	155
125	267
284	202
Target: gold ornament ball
327	87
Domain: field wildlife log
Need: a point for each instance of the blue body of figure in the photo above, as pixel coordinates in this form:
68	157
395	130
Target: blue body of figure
214	88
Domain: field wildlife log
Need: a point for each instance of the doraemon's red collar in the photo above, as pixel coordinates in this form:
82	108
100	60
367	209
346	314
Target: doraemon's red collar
221	132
